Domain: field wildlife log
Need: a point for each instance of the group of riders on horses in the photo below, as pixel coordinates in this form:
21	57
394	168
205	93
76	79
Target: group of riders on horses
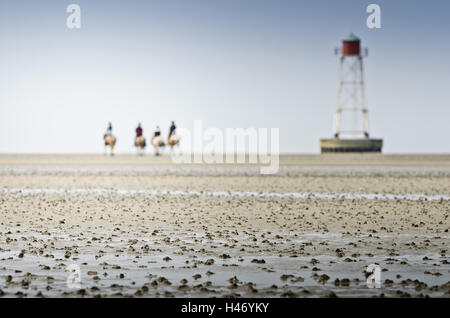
140	143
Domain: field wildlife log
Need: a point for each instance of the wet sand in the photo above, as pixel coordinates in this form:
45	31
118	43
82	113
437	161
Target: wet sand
144	227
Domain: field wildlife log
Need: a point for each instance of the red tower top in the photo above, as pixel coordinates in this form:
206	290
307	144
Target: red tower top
351	45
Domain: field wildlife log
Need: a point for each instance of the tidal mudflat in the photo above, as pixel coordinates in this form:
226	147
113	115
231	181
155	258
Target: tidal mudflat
144	227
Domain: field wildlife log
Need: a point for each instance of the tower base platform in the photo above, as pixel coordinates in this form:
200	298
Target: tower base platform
351	145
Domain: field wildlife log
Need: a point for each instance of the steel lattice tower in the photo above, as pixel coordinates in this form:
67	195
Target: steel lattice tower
351	97
351	103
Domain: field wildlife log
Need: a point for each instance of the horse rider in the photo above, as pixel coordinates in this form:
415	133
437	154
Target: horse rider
139	130
157	132
108	130
172	129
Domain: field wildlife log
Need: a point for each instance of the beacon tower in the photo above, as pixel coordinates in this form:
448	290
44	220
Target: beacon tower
351	120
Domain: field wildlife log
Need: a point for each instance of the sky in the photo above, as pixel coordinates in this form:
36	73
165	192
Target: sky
229	63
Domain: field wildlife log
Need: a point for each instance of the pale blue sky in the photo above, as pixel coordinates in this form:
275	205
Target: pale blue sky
247	63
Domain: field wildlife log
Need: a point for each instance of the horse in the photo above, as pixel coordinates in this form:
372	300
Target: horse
158	142
110	141
173	141
140	144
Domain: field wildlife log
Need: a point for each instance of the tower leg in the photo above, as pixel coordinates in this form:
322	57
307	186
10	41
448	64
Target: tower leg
365	111
337	120
337	115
